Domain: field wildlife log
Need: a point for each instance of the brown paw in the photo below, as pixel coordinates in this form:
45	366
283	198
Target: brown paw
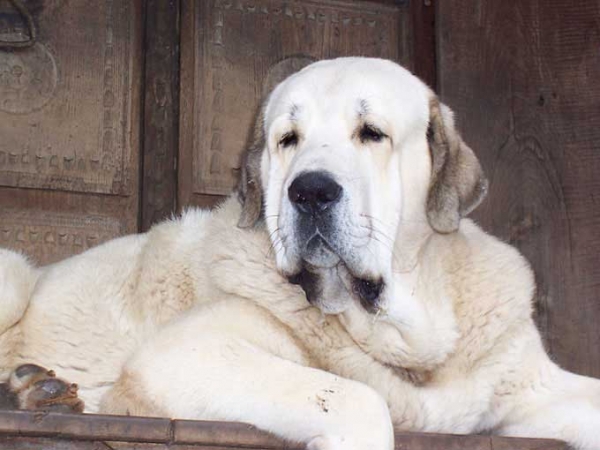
38	388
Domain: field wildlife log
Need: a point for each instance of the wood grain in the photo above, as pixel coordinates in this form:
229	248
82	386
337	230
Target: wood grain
30	430
52	235
506	443
161	111
65	102
69	121
522	79
85	426
423	32
228	47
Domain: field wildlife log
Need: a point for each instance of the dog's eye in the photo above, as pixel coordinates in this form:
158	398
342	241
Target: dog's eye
370	133
289	139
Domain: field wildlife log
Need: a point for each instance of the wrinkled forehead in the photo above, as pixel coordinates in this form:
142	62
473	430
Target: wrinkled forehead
353	87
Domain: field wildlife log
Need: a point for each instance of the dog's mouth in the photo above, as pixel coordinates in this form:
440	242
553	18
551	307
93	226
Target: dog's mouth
318	253
331	283
331	289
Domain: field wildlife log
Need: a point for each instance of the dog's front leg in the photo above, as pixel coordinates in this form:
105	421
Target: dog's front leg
556	404
219	377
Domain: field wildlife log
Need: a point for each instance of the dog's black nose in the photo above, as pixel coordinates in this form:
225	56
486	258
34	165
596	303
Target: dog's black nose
314	192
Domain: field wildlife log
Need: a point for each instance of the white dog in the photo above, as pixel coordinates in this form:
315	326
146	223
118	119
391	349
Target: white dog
354	189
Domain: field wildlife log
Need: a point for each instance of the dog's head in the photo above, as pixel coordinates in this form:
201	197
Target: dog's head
350	157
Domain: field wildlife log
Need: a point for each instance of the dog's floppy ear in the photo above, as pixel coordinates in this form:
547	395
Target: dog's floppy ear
249	186
458	183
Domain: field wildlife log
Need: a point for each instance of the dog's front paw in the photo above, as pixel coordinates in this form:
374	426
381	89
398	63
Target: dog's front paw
38	388
358	419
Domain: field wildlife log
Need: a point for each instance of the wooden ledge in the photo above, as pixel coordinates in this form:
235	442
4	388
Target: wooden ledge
21	430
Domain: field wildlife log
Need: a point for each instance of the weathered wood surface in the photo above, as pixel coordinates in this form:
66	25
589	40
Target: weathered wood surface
228	46
423	34
69	126
29	430
74	171
523	80
161	111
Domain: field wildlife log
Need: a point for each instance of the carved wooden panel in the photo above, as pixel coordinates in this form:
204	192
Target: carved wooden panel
69	125
52	236
227	49
65	103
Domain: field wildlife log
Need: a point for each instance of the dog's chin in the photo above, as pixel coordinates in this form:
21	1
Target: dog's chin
332	287
332	309
318	255
323	288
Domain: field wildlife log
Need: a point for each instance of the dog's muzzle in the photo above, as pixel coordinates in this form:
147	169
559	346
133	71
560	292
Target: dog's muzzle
323	274
314	196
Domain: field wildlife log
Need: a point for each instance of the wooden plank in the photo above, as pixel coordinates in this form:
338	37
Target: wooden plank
20	443
505	443
404	442
113	445
158	434
426	441
522	79
223	434
161	111
85	426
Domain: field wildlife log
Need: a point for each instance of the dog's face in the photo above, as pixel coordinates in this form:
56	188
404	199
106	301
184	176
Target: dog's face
344	158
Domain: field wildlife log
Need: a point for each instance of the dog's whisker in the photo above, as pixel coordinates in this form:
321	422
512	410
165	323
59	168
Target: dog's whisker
275	247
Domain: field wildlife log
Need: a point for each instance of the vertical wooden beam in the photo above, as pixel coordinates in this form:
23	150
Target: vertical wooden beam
423	24
161	111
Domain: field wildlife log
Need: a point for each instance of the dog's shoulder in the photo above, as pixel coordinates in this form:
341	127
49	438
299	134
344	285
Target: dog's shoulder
490	283
494	261
471	257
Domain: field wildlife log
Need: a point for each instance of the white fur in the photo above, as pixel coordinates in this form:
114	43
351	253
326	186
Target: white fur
194	319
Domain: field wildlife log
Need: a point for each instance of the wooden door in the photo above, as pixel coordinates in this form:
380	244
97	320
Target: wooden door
69	124
93	141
